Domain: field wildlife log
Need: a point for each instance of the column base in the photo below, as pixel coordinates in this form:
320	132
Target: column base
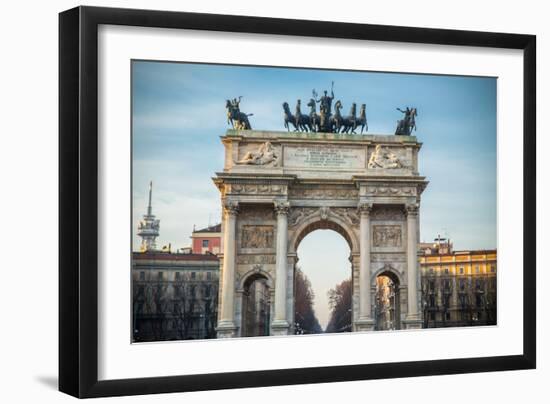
226	329
280	327
364	324
414	323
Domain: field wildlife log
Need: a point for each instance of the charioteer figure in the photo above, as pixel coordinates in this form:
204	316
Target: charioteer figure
325	108
406	125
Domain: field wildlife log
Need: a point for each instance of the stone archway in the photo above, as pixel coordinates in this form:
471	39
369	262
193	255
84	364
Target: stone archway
313	182
320	221
387	303
256	305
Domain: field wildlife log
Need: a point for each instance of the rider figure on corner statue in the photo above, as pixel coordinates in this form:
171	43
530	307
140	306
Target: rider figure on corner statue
408	123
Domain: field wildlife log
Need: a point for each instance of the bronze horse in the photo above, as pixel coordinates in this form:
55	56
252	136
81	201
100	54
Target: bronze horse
288	117
350	121
235	117
314	120
362	121
301	121
336	120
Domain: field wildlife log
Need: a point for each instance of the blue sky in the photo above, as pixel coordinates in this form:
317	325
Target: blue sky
179	115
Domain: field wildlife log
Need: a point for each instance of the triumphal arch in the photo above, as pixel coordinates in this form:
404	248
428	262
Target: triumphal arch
276	187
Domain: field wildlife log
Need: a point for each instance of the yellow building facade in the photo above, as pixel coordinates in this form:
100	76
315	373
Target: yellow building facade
459	288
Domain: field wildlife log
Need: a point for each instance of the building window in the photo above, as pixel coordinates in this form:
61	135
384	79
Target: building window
161	276
209	276
446	271
448	316
477	269
193	275
205	243
431	270
432	316
178	276
461	270
207	291
492	268
142	276
462	285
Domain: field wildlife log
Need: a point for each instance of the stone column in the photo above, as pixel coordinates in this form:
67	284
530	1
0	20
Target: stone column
413	317
280	324
365	321
226	324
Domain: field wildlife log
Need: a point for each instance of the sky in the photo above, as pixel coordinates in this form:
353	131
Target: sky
179	115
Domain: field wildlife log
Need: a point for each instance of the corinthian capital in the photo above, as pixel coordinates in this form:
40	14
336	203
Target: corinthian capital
282	207
364	208
412	209
231	207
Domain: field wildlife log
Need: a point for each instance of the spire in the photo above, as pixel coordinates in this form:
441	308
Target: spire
149	207
148	228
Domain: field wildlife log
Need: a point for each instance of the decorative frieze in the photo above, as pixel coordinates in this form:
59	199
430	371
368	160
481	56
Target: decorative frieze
323	193
388	190
258	189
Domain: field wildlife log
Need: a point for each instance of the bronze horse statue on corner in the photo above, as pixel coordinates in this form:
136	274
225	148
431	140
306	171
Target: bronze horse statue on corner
239	120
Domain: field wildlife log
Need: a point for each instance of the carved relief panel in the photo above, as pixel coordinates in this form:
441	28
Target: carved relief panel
388	230
254	236
386	236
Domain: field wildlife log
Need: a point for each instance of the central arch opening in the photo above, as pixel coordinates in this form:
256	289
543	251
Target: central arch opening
322	280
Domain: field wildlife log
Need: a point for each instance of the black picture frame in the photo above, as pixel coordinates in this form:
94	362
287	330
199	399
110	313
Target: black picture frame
78	201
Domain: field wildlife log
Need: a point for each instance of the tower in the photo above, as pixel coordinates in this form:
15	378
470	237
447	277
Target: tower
148	228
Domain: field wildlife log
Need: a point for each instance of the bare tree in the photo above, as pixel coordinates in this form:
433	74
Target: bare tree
305	320
340	305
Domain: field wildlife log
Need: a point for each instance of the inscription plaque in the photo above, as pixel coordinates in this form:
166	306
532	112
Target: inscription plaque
324	157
